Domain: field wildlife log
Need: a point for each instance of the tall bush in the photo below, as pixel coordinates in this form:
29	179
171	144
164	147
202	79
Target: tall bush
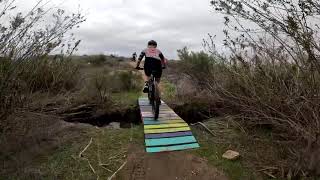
272	77
26	40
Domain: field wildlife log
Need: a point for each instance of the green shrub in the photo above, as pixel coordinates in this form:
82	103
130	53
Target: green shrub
96	60
169	90
129	81
19	79
102	84
25	44
197	65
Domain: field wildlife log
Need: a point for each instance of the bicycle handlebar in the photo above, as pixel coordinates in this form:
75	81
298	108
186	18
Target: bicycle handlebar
139	68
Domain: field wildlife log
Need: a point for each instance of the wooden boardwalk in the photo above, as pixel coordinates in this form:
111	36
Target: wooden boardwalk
168	133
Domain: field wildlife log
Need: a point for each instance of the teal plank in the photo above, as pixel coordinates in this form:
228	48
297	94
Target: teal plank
172	148
170	141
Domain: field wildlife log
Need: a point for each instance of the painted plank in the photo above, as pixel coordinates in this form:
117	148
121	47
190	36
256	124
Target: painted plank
152	122
172	148
144	104
170	141
147	100
160	110
147	103
161	118
161	126
150	106
166	130
152	131
167	135
150	115
160	115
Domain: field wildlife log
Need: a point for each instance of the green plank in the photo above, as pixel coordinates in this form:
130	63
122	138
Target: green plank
150	131
172	148
170	141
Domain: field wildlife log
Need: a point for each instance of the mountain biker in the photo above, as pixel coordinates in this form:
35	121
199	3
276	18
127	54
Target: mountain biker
154	61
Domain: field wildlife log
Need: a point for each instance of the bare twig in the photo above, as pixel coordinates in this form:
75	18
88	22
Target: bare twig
114	174
205	128
269	174
80	154
103	166
117	155
92	169
268	168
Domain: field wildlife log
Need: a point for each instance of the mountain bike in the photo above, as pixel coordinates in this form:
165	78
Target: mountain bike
153	94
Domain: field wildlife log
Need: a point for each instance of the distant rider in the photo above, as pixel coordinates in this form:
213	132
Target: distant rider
134	57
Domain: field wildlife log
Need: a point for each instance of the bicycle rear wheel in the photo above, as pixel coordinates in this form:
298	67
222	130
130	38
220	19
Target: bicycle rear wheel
157	101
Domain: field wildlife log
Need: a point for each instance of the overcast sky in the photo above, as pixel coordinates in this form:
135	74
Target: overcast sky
124	26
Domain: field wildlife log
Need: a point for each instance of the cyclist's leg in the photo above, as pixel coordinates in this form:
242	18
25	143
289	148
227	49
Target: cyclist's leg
147	72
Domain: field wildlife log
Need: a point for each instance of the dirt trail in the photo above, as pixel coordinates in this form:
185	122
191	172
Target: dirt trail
167	166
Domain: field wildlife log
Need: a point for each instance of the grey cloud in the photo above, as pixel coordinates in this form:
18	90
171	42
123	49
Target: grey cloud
125	26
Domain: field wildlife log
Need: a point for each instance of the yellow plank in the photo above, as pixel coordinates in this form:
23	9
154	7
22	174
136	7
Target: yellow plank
176	125
162	121
151	131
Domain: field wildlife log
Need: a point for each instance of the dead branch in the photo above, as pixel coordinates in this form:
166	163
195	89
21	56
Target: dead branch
117	155
80	154
205	128
103	166
92	169
114	174
268	168
269	174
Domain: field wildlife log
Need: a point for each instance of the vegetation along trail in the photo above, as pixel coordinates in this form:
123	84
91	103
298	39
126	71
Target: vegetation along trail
250	92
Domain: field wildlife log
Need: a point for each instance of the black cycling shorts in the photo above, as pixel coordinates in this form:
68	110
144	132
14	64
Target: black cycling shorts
151	65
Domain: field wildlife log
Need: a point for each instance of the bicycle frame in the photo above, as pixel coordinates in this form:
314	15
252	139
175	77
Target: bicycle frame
153	95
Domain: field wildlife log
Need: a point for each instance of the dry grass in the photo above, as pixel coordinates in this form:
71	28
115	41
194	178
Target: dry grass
277	99
36	128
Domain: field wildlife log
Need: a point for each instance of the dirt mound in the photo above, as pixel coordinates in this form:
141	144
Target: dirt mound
31	138
168	166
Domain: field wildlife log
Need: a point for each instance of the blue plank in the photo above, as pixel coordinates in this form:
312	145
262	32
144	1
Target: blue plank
170	141
167	135
172	148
